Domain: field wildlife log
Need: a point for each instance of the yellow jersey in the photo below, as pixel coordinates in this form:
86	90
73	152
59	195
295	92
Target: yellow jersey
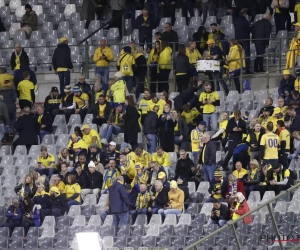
209	108
271	143
81	101
100	52
240	174
126	62
144	159
196	139
160	103
88	139
163	160
297	9
24	88
102	109
223	125
285	136
70	190
297	84
144	106
190	116
193	55
81	143
48	161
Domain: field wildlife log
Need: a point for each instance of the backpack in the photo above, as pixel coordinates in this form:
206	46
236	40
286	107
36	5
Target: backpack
124	66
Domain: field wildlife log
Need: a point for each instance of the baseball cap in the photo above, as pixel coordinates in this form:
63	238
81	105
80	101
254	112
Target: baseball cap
112	143
276	110
84	127
202	123
161	175
173	184
54	89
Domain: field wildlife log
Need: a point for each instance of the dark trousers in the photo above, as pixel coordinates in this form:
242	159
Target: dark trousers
231	146
140	83
118	22
25	103
99	121
153	79
283	159
187	6
27	223
236	79
169	11
83	113
153	9
64	79
147	40
280	19
182	82
11	225
48	212
163	78
246	47
259	60
53	113
129	13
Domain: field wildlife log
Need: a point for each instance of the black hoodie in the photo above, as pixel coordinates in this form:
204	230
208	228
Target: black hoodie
62	57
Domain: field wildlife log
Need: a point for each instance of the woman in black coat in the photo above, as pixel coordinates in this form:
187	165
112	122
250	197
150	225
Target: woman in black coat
201	37
140	72
166	123
131	124
181	133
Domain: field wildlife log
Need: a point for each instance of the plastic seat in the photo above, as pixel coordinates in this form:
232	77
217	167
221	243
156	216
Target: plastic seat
38	9
67	33
53	10
94	25
164	242
61	129
47	4
17	243
46	27
258	17
209	20
19	12
59	17
63	26
49	221
247	105
74	211
125	40
75	17
108	230
113	35
81	34
232	106
163	21
78	26
225	21
20	150
13	28
18	232
171	219
62	243
3	243
5	150
74	119
59	120
79	220
4	11
69	9
206	209
203	187
48	140
63	222
14	4
232	95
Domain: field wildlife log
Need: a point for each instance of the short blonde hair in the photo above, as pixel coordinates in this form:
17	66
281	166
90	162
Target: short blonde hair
254	162
139	50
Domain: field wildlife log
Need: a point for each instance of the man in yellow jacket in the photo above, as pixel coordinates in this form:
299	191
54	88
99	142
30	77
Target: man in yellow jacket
294	50
161	157
196	140
127	169
118	89
102	57
143	157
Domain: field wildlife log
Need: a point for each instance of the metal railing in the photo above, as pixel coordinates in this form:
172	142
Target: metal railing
232	224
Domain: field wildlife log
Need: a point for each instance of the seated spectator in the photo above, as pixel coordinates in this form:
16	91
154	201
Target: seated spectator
240	207
72	191
29	21
95	180
77	138
268	106
296	97
90	136
39	179
78	151
183	166
163	177
96	92
234	186
127	169
154	171
81	159
183	185
26	188
241	153
165	97
141	204
25	91
286	85
159	198
101	111
297	81
150	128
175	201
253	140
58	205
94	154
126	148
45	163
57	182
84	87
141	177
81	176
45	121
253	178
14	215
112	153
65	157
281	105
143	157
110	175
52	102
4	118
81	101
67	106
181	132
266	117
218	187
63	172
115	123
31	215
162	158
219	213
18	59
41	197
157	102
240	172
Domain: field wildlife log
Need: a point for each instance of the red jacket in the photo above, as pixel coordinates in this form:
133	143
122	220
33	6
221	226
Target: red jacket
240	188
243	209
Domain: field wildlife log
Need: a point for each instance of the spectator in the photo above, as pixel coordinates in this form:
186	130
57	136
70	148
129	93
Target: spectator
216	31
45	163
219	213
141	204
78	152
150	127
80	175
63	173
197	140
221	133
207	157
90	136
235	56
57	182
29	21
201	37
14	215
181	131
52	103
194	55
127	169
96	92
242	35
39	179
164	65
161	157
168	9
88	12
154	171
141	176
95	182
159	102
207	9
119	89
153	62
281	9
240	207
296	97
28	129
286	85
170	36
94	154
261	31
126	148
25	91
240	153
67	106
253	178
18	58
82	160
164	96
209	100
101	4
144	105
183	185
4	117
143	157
41	197
62	63
292	54
167	123
72	191
159	198
295	125
140	72
163	177
31	215
285	142
175	201
101	111
144	23
183	166
182	68
131	124
235	129
81	100
45	121
218	187
18	75
234	186
84	87
110	175
268	106
26	188
253	139
102	57
112	153
77	138
240	173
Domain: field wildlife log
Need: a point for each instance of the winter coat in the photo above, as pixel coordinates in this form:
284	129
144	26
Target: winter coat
242	209
18	75
88	10
62	57
9	98
118	198
131	125
47	121
209	154
24	60
183	168
28	129
59	202
10	214
181	64
161	199
31	20
4	117
150	123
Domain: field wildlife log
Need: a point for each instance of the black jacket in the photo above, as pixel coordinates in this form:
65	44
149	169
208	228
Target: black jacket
112	155
236	136
28	129
238	3
214	185
183	130
43	200
47	121
62	57
150	123
209	153
171	37
253	140
220	214
131	125
184	97
185	189
30	191
94	156
271	109
59	202
85	87
286	85
161	199
82	179
24	60
68	102
295	126
141	68
118	198
261	30
95	180
107	110
144	31
52	103
10	98
197	36
183	169
182	64
242	28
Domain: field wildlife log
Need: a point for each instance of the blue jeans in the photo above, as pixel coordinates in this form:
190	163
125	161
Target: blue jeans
46	171
104	73
152	142
120	219
164	212
134	213
211	119
103	215
221	223
64	79
209	172
129	82
73	202
154	210
111	129
196	155
249	189
42	134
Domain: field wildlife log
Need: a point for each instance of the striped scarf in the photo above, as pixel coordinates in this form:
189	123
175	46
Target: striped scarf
106	176
144	204
233	189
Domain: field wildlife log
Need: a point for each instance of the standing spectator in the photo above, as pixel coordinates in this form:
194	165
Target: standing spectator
45	121
197	140
166	124
18	58
31	215
84	87
144	105
45	163
253	178
253	140
194	55
117	11
295	125
286	85
101	111
102	57
201	37
285	142
153	62
168	9
242	34
240	207
52	102
29	21
150	129
181	131
187	6
57	181
208	157
67	106
72	191
14	215
141	71
219	213
26	91
110	175
119	202
131	124
293	53
182	69
261	31
88	12
145	24
4	117
170	36
18	75
183	166
62	63
164	66
207	9
281	9
101	4
119	89
115	123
